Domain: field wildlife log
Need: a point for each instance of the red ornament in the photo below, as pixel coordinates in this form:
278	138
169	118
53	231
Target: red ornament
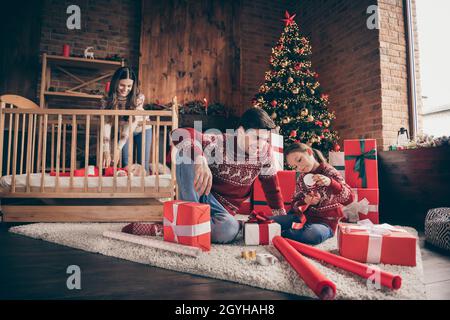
318	123
316	75
289	19
326	130
274	103
322	137
297	141
293	133
324	96
298	66
336	148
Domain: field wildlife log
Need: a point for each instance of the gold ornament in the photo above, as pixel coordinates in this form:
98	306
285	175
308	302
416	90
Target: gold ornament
286	120
326	123
312	91
290	80
284	64
295	91
304	112
285	106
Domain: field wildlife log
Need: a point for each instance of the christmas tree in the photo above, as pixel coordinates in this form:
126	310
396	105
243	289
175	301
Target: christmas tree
292	95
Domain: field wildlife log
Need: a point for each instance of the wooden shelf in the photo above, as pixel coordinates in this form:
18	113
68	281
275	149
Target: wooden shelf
83	63
73	95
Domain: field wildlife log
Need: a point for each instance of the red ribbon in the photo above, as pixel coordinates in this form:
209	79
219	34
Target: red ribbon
264	233
259	218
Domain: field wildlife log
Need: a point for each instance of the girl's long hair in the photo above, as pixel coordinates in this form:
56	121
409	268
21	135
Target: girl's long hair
120	74
302	147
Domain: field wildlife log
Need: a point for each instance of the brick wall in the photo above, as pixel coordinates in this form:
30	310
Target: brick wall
346	56
111	27
394	70
261	27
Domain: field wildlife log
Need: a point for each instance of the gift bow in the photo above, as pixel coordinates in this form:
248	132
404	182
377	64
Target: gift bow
359	207
360	164
185	231
260	218
376	233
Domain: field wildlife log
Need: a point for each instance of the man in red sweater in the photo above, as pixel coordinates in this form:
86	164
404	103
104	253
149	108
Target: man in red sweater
219	169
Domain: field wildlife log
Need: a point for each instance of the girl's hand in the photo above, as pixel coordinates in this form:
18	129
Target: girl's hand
321	180
106	159
312	199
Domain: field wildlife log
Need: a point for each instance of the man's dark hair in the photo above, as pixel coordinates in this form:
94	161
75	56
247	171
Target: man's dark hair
256	118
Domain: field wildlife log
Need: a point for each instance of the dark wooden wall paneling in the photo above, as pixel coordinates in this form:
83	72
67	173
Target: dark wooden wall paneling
19	47
412	182
190	49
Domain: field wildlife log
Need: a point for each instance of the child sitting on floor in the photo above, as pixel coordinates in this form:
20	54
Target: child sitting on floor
323	197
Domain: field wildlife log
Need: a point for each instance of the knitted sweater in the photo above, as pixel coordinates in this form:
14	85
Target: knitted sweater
329	209
233	171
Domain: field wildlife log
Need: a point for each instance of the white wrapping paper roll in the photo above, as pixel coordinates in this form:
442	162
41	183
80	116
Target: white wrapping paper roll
153	243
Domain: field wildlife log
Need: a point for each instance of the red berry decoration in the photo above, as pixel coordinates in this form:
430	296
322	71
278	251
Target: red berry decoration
293	133
274	103
336	148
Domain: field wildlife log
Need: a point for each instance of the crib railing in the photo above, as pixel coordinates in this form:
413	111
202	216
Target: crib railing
36	142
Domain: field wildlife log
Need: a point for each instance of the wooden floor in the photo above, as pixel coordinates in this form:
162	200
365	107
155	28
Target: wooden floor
35	269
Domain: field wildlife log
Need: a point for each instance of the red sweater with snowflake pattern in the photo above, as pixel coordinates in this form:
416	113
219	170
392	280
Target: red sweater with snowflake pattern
329	209
233	171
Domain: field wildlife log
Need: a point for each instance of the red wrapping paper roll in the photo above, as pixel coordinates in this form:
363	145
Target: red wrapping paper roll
386	279
322	287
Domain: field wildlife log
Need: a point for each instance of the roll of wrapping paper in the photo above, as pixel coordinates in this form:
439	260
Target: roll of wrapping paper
386	279
154	243
314	279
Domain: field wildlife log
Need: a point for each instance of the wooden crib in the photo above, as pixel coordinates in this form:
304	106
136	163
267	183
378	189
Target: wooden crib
37	142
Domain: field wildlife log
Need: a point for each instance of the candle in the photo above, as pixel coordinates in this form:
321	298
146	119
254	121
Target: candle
206	105
108	84
66	50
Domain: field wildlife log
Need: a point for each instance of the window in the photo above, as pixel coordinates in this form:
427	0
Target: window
433	30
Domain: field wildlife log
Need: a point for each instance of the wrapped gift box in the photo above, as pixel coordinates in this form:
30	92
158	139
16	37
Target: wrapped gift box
366	242
337	160
187	223
287	180
276	141
364	206
361	169
260	233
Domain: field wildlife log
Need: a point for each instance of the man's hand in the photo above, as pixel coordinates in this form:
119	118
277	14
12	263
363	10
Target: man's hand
117	156
312	199
106	159
202	176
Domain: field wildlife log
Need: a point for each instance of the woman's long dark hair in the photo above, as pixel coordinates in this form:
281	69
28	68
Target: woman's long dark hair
120	74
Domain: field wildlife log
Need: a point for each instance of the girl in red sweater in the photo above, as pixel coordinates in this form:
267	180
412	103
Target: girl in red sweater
323	193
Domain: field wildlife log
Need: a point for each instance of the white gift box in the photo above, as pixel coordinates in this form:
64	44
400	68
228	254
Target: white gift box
337	160
260	233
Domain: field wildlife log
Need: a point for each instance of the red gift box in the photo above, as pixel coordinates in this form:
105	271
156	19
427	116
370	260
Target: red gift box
287	180
187	223
364	206
366	242
361	169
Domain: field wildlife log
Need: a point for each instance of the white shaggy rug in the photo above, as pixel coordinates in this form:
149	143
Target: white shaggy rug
224	262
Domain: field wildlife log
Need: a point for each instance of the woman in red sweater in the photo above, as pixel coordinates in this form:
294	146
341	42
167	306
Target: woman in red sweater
324	195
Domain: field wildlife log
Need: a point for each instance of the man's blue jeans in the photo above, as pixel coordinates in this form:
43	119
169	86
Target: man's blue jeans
137	141
224	227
